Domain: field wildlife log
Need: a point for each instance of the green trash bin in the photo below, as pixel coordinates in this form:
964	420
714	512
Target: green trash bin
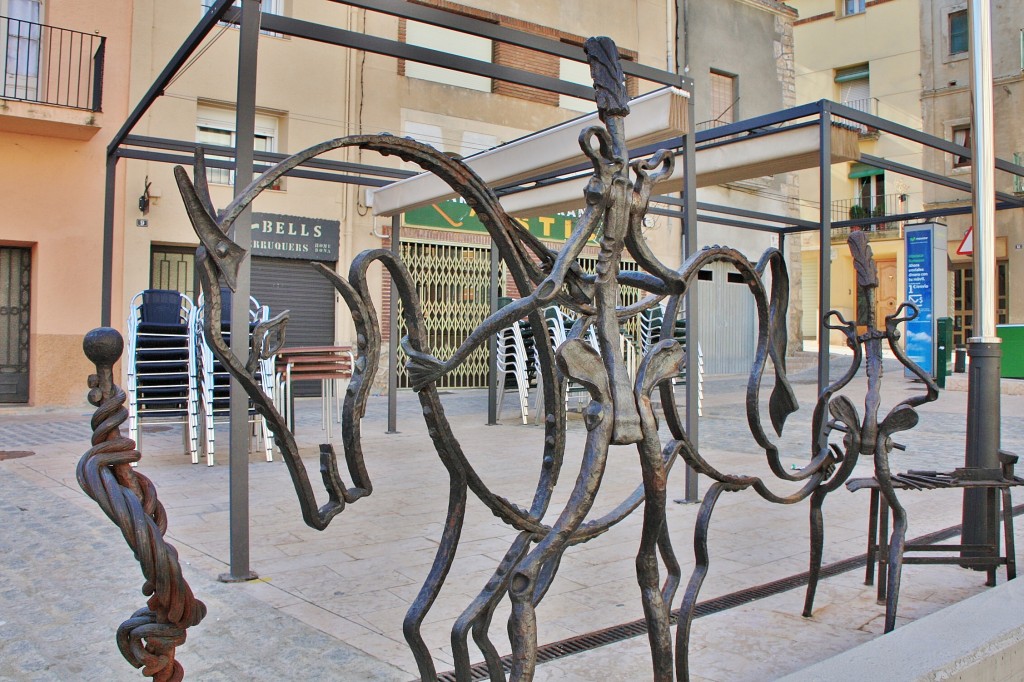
943	350
1013	350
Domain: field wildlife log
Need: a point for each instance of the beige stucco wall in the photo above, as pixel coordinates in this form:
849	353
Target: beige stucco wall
54	204
320	92
884	38
946	102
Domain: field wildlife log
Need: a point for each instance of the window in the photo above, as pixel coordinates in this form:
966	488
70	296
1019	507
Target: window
173	267
216	126
962	136
723	98
21	49
267	6
451	42
1018	181
575	72
958	32
855	86
852	7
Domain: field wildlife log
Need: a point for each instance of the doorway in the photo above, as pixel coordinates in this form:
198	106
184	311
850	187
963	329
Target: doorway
15	295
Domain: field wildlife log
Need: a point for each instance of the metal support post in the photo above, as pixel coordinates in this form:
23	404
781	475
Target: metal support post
245	130
109	198
396	238
492	345
980	520
825	239
690	248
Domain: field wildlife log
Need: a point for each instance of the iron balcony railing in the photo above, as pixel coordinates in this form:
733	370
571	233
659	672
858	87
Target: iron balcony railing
870	214
51	65
868	105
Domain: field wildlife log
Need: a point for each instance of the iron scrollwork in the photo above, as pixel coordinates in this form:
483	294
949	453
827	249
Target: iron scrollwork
149	638
620	411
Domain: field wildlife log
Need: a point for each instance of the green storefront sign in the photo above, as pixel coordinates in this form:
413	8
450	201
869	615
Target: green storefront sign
457	215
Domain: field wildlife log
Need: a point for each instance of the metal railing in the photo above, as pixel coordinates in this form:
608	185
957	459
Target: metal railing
51	65
869	105
865	209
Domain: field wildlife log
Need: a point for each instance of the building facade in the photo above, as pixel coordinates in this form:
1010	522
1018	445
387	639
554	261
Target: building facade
740	56
946	107
64	94
863	55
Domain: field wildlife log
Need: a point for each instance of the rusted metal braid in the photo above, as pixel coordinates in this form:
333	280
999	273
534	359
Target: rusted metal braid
148	639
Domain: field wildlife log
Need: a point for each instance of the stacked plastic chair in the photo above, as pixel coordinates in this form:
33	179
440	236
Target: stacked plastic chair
515	367
215	382
161	363
651	327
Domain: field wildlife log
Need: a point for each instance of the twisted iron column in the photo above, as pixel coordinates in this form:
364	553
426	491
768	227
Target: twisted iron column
148	639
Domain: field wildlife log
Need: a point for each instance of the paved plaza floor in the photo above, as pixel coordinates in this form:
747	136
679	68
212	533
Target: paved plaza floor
329	605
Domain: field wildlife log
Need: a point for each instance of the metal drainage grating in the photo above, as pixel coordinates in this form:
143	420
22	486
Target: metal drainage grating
619	633
15	454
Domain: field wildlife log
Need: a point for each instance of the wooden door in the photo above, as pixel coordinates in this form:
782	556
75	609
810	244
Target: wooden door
886	299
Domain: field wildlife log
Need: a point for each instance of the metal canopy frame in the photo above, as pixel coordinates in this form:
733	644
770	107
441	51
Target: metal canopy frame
686	208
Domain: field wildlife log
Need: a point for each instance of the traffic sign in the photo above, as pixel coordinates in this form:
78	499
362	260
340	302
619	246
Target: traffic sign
966	247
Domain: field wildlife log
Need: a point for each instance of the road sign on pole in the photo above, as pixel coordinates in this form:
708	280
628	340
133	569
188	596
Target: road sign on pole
966	247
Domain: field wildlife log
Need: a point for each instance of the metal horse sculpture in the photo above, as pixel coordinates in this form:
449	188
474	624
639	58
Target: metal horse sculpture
620	411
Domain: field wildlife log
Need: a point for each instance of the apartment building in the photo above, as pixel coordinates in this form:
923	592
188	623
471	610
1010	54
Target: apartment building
946	107
64	93
863	54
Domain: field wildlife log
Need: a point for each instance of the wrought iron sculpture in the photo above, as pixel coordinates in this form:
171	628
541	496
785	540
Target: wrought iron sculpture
620	411
149	638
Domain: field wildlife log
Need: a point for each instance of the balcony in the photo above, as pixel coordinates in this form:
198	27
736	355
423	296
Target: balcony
868	214
51	65
868	105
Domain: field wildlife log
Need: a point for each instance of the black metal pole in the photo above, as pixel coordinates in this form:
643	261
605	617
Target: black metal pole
689	248
825	239
980	514
107	283
396	238
492	345
245	131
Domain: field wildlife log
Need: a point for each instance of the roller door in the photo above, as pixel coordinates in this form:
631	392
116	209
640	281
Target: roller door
294	285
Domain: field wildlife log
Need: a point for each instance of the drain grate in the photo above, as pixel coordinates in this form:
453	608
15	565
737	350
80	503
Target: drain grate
15	454
619	633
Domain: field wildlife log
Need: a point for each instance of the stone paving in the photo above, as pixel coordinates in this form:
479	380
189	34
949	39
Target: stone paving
329	605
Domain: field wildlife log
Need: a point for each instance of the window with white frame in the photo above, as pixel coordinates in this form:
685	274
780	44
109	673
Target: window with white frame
267	6
962	136
855	87
724	99
453	43
21	48
215	126
853	7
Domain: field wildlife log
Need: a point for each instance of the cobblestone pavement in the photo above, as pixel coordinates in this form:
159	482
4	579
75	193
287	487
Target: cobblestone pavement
329	605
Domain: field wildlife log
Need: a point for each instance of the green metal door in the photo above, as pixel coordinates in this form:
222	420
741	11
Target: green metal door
15	294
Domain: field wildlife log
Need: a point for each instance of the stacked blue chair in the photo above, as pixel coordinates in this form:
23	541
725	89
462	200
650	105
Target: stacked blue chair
161	363
215	382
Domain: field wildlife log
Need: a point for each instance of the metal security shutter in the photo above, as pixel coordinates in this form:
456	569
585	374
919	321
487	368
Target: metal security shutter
727	320
294	285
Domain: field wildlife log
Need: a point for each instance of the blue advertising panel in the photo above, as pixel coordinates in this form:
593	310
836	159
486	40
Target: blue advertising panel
920	335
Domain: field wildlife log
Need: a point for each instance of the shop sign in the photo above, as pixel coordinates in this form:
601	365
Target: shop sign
289	236
456	214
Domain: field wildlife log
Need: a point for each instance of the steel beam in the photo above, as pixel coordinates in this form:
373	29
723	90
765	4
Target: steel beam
487	29
396	238
360	41
825	241
689	197
245	131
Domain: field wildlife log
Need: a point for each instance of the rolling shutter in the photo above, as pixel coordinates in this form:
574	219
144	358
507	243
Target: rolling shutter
294	285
